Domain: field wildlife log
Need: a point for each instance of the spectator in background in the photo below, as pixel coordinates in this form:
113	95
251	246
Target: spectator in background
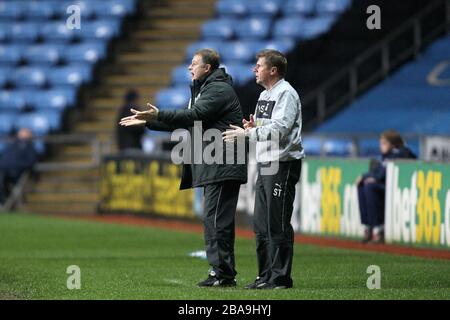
18	157
372	185
129	137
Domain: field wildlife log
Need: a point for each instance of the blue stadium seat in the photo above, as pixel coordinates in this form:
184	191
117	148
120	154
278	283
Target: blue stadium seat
253	28
414	145
55	99
86	8
5	32
69	92
267	8
290	27
70	75
43	54
238	51
10	54
130	5
312	145
2	143
24	31
369	148
296	7
86	52
44	10
6	122
113	8
11	10
284	45
337	148
103	29
216	45
181	76
333	6
240	72
5	73
54	118
173	98
57	32
29	77
218	29
314	27
437	50
236	8
11	100
303	28
38	124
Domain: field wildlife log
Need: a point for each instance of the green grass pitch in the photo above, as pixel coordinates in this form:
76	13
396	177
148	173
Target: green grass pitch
128	262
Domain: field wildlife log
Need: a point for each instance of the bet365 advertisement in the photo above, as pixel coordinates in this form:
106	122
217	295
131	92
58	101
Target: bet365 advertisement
329	197
418	204
417	207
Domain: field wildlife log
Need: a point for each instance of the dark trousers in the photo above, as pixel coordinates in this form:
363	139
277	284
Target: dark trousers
274	202
220	208
7	178
371	203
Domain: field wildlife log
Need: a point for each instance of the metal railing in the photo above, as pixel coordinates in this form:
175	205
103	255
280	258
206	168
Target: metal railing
350	74
98	148
355	140
16	196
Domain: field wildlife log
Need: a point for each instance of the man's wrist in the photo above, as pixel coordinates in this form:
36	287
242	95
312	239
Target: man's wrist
249	133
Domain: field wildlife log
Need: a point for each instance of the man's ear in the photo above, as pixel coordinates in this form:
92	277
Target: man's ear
273	70
207	67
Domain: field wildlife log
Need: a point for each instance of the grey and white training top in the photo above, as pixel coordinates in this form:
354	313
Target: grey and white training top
278	114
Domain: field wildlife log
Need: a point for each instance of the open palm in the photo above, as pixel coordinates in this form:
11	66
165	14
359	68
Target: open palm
131	121
139	118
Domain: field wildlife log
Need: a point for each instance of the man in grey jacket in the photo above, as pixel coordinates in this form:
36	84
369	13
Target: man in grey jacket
276	129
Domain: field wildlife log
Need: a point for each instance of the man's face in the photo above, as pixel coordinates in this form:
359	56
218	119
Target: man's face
197	68
385	146
24	135
262	71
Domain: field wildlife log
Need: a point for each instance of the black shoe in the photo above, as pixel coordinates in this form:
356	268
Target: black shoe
214	281
255	284
368	235
378	238
272	286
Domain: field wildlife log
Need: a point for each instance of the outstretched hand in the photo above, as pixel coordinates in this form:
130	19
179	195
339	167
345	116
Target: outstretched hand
147	115
140	118
232	135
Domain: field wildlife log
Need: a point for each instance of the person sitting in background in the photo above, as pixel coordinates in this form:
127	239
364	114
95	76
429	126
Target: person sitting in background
372	185
18	156
129	138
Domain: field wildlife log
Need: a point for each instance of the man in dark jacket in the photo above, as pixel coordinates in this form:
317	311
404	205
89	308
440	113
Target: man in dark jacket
215	105
372	186
18	157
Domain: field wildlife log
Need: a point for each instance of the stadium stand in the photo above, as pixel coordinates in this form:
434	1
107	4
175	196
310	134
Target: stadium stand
414	98
40	78
137	51
44	63
242	28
